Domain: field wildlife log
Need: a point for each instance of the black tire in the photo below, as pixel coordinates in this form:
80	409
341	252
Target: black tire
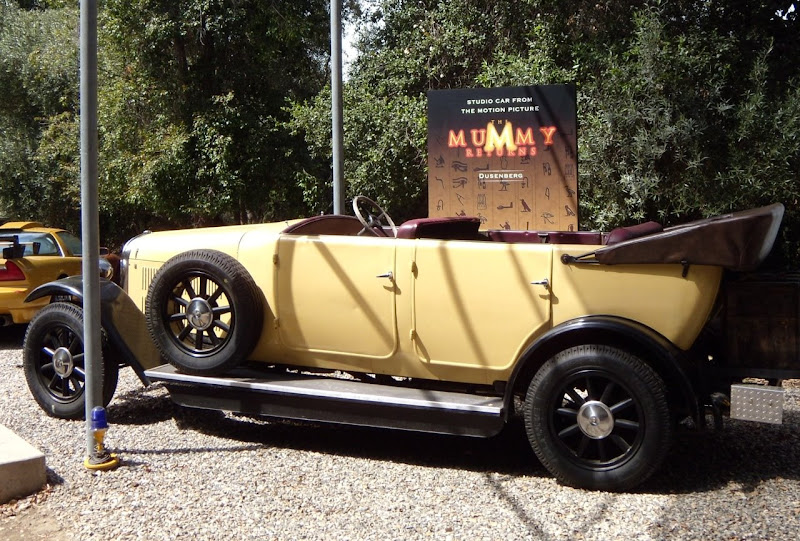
204	312
597	417
53	361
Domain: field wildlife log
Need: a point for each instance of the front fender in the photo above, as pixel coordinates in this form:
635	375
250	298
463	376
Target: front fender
663	356
122	320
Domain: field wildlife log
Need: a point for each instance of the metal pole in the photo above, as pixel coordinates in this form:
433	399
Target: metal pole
89	215
336	106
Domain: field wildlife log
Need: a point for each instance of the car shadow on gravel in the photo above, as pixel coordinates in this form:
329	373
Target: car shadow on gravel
743	453
506	453
141	406
11	337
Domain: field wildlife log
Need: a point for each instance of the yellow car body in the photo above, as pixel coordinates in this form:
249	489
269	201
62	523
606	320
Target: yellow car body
48	254
450	310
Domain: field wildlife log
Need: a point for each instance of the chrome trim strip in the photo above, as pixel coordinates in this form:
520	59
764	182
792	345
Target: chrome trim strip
125	255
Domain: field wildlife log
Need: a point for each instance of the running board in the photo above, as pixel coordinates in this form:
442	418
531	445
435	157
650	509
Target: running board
315	398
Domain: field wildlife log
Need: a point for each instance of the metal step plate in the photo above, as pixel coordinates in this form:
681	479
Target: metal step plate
299	396
760	403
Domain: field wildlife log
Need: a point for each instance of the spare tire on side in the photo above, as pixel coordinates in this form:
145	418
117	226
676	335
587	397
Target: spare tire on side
204	312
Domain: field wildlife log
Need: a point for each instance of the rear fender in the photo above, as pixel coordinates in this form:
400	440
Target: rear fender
122	320
652	348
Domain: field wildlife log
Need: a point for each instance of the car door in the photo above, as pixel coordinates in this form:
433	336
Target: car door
335	297
48	268
48	260
474	304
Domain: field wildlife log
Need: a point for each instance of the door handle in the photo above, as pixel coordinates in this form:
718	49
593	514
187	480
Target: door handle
389	275
543	282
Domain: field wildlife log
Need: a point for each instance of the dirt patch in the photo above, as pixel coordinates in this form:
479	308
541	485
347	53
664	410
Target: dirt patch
26	519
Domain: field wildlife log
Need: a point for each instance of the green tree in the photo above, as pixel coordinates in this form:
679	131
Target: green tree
38	145
686	108
193	109
192	114
406	49
214	111
697	115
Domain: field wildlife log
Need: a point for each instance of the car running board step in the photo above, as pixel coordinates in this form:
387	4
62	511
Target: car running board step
314	398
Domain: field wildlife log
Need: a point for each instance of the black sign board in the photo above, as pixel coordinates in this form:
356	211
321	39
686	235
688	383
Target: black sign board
507	155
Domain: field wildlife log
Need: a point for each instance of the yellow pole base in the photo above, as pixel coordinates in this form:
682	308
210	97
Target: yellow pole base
109	464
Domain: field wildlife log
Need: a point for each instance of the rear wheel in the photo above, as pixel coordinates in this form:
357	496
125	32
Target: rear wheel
597	417
54	362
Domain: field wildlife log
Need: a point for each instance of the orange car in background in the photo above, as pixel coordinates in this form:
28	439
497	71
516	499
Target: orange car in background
32	255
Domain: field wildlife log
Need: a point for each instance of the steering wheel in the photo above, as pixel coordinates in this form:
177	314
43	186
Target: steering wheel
375	219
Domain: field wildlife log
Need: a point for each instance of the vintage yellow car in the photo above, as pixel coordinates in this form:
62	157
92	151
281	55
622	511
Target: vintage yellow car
605	344
34	255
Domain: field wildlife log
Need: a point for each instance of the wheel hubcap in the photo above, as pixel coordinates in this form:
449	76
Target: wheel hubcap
200	314
63	364
595	420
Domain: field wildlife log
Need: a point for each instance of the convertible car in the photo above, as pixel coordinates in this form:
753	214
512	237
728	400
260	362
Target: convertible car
605	344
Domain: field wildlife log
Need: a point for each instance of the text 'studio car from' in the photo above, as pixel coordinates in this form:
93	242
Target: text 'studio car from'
606	344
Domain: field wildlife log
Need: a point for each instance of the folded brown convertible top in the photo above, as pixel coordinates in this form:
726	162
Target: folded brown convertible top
737	241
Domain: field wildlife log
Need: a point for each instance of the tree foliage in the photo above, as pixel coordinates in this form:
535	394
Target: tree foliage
38	85
195	115
406	49
192	97
219	110
687	108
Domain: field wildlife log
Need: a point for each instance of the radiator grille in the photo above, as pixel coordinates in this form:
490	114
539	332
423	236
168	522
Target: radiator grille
147	277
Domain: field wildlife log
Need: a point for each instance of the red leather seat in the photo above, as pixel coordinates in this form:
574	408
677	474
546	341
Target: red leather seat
450	228
621	234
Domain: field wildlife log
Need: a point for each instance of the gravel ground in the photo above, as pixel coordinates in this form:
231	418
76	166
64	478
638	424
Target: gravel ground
206	475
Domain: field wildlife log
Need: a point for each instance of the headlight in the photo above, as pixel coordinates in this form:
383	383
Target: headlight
106	270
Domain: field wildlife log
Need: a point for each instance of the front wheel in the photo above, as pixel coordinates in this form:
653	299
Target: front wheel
54	362
597	417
